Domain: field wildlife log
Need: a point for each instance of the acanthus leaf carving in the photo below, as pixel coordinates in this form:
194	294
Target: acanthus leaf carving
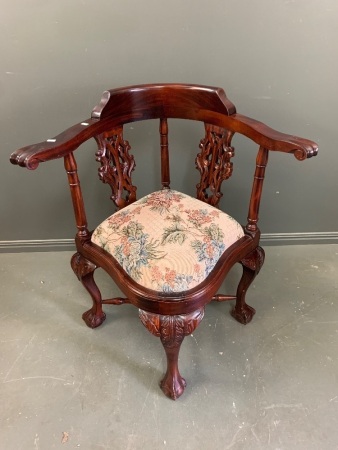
81	266
190	325
171	329
151	322
255	260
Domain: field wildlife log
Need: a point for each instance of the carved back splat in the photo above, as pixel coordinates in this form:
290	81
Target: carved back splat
214	164
116	166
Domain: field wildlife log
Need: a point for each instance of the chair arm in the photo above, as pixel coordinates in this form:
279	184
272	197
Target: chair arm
271	139
61	145
73	137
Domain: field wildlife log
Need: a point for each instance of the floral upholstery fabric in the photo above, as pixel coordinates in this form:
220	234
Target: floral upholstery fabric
167	241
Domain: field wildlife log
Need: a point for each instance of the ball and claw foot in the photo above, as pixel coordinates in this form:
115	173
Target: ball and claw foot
244	314
173	387
92	320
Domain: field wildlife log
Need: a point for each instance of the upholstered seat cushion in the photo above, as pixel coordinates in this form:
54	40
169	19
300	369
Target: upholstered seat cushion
167	241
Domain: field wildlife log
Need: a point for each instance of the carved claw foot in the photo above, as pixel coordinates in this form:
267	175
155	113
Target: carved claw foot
173	387
243	315
172	330
92	319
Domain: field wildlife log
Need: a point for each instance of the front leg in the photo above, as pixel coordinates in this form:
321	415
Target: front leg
84	270
252	264
172	330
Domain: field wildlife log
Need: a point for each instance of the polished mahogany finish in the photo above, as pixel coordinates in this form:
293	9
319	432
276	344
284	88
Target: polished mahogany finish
170	316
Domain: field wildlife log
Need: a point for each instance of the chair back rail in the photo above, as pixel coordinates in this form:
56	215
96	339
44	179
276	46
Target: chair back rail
163	100
130	104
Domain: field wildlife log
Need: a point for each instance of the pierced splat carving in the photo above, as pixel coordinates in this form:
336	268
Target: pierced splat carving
214	164
117	165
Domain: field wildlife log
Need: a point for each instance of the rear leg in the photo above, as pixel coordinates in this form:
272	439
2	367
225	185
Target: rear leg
252	264
84	270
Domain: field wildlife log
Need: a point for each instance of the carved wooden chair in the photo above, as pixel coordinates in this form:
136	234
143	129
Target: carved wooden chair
167	252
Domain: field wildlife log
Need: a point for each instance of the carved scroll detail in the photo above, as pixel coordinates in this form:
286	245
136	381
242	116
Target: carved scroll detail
214	164
117	165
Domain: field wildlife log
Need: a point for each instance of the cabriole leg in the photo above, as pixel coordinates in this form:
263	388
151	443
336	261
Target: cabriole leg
252	264
172	330
84	270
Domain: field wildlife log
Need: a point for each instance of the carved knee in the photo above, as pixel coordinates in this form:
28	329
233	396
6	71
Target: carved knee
81	265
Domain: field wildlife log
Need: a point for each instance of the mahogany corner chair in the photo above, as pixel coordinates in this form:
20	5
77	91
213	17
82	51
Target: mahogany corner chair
168	253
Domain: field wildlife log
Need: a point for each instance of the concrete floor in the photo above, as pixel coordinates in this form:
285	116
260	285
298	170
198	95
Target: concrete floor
272	384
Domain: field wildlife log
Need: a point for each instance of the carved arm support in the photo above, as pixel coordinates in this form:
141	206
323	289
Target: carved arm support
257	187
268	140
76	194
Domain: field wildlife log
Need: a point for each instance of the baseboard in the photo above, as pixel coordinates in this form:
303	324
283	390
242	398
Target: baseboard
43	245
49	245
299	238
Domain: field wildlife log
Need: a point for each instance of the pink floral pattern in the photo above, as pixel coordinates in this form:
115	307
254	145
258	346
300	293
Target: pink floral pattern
168	241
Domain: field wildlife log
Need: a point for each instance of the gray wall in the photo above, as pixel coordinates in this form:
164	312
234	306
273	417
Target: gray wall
277	61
